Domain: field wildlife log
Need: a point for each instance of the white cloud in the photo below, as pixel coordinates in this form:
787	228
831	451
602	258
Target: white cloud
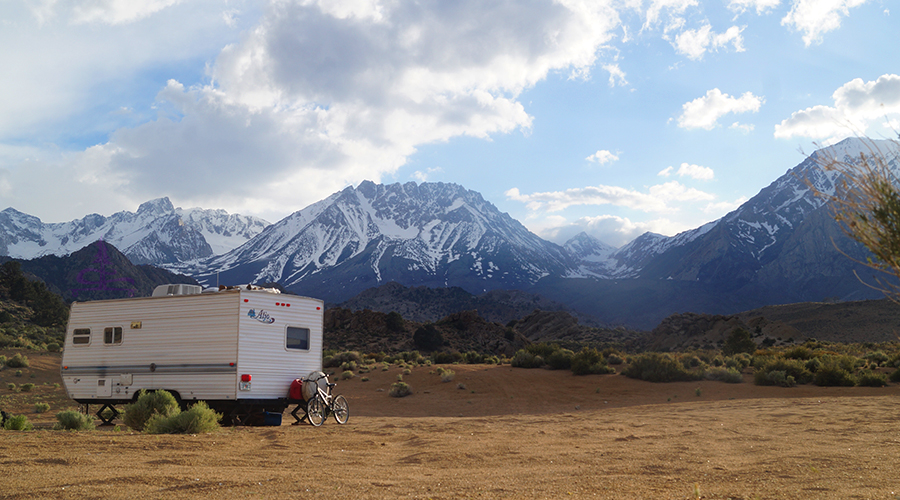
674	7
814	18
695	43
723	207
658	198
230	17
65	71
316	96
112	11
423	176
746	128
704	112
602	157
616	75
761	6
857	105
613	230
689	170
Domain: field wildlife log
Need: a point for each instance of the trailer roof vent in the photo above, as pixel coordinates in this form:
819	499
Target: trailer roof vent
165	290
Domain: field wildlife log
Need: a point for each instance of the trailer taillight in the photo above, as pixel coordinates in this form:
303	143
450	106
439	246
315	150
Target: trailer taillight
245	377
244	385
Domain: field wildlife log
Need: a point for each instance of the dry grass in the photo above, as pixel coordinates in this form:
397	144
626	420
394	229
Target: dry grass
514	434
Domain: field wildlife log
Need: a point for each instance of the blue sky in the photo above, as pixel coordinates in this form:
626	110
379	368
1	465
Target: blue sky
614	117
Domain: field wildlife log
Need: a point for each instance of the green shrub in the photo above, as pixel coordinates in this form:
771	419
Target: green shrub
428	338
447	375
18	373
3	360
340	358
774	377
589	361
614	359
349	366
793	368
813	365
364	379
53	347
524	359
394	321
560	359
347	375
17	361
41	407
738	341
868	378
542	349
798	352
659	367
833	374
723	374
691	362
400	390
11	386
17	423
27	387
877	358
148	404
71	420
446	358
474	358
738	361
197	419
895	376
844	361
407	371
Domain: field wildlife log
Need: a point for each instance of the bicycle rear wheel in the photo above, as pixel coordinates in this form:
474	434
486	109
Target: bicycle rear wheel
315	411
341	410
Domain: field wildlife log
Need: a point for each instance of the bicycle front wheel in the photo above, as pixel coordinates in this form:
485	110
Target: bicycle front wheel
341	410
315	411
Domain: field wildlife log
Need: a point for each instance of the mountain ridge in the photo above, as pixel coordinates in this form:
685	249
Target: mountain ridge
774	248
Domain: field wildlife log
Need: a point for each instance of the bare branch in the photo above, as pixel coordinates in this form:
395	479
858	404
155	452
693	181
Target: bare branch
866	204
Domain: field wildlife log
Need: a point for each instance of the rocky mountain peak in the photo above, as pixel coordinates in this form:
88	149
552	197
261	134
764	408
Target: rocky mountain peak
158	206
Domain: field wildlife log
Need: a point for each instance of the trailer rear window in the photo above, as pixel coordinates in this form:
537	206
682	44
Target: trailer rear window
112	335
81	336
298	338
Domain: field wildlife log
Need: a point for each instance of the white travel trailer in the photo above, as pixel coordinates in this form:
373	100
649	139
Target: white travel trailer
238	348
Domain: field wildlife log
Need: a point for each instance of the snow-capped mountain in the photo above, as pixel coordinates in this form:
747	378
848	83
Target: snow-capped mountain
157	233
778	247
735	250
592	257
432	234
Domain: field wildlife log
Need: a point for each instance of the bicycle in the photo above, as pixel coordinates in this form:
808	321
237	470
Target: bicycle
324	403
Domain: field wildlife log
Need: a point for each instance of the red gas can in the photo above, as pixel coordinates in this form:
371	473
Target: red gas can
296	391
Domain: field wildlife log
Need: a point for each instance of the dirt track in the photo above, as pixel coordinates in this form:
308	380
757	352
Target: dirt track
510	433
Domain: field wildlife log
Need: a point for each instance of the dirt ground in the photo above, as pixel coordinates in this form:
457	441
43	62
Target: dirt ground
492	432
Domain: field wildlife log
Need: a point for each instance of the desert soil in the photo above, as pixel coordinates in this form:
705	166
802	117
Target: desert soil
492	432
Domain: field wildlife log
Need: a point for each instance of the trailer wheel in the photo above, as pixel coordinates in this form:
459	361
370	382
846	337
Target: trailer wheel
341	410
315	410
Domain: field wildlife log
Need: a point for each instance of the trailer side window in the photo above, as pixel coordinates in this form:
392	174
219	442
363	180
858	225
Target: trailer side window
81	336
112	335
297	338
